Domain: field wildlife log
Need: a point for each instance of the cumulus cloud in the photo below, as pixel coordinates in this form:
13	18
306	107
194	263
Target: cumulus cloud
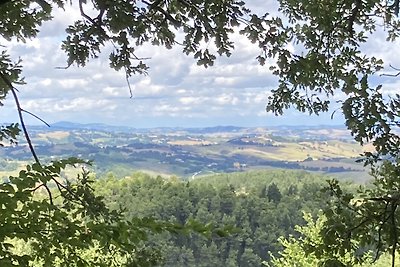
190	100
176	92
81	104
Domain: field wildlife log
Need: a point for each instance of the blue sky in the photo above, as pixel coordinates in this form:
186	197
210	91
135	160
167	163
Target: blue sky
176	92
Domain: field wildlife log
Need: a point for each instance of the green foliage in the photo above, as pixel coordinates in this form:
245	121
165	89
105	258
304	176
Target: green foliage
231	201
10	133
372	210
297	251
328	61
48	220
273	193
21	19
11	72
58	221
129	25
63	226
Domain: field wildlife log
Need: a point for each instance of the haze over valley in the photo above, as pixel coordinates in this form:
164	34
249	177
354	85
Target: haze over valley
191	152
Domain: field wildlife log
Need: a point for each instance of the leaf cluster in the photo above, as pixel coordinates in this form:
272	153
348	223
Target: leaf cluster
60	223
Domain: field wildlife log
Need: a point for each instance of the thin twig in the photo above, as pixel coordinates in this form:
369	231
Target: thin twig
127	76
37	117
392	75
48	191
128	82
367	219
378	246
74	198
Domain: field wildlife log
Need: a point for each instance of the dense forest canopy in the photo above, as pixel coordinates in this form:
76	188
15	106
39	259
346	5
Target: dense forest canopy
327	62
259	207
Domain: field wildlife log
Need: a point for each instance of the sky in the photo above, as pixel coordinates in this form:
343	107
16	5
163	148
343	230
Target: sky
176	92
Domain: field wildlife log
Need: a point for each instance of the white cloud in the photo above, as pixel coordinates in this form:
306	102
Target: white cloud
264	113
226	99
112	91
50	105
190	100
169	110
46	82
145	87
176	90
80	83
225	81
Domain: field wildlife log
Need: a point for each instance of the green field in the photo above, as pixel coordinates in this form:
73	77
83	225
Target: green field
185	154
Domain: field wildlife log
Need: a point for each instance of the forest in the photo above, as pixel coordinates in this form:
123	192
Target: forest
258	211
256	217
259	206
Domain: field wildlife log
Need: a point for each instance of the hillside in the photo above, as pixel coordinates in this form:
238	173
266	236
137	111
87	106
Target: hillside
196	151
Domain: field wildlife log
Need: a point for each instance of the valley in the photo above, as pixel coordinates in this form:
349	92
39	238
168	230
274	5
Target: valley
193	152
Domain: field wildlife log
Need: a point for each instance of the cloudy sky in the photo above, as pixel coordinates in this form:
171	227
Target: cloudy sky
176	92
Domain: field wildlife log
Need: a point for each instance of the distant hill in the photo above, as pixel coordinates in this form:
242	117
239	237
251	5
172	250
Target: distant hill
215	129
62	125
189	152
90	126
104	127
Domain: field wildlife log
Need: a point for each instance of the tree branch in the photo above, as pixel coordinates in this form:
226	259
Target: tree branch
155	6
83	14
353	16
26	134
384	220
37	117
21	118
